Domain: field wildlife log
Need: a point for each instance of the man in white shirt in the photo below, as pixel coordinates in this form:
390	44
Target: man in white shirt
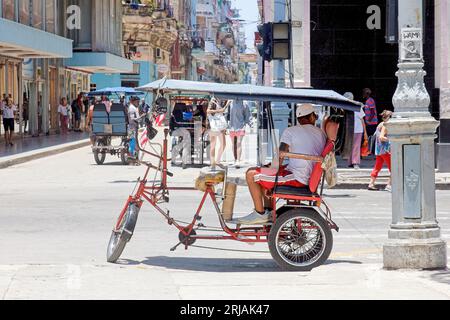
305	138
9	110
133	113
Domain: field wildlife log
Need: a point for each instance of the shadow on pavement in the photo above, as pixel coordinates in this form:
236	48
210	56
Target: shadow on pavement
216	264
442	277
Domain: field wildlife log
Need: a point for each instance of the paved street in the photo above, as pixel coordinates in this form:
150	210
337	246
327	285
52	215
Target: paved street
57	214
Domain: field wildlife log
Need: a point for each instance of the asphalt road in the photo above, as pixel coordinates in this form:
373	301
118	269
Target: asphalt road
57	214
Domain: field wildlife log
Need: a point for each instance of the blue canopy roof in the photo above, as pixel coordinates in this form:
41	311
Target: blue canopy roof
115	90
256	93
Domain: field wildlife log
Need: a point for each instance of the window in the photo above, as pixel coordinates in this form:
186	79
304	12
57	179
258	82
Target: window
50	16
24	12
37	14
8	9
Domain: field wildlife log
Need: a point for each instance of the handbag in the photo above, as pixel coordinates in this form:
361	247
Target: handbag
365	152
217	122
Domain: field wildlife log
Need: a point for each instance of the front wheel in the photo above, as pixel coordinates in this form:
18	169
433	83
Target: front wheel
300	240
122	232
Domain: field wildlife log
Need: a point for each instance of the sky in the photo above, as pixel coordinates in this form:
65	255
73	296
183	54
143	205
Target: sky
249	13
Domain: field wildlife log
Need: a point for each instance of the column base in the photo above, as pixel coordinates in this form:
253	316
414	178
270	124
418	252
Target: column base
419	254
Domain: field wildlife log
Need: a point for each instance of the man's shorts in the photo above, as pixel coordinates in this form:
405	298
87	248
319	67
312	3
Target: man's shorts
266	178
8	125
240	133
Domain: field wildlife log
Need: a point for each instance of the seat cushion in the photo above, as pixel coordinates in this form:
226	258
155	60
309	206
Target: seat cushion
316	175
293	191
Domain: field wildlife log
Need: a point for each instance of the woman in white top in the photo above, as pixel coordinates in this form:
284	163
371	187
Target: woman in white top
9	110
63	110
359	130
217	130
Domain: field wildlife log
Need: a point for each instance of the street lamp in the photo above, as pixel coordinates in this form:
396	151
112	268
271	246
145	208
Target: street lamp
414	235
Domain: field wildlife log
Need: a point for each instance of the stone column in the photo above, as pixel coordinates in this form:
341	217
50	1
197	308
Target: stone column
301	34
414	235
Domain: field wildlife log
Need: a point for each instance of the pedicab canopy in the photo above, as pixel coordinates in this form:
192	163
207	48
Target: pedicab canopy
116	90
254	93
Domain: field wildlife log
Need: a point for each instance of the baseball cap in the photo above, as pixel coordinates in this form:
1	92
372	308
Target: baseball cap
304	110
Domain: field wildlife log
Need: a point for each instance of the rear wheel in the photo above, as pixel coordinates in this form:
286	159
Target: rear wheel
123	233
300	240
100	156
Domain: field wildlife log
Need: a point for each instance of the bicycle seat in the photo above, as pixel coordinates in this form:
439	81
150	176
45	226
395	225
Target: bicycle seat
210	178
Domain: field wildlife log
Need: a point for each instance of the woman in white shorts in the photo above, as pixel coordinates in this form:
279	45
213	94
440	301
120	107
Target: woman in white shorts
217	130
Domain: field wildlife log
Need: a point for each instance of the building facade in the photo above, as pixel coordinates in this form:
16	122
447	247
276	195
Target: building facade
31	59
332	51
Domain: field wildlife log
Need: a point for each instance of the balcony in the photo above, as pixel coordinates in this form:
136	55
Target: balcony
143	11
198	43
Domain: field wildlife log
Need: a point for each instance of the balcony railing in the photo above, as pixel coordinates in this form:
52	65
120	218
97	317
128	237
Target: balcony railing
143	11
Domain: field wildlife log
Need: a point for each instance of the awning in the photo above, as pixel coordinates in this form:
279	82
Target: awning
255	93
99	62
20	41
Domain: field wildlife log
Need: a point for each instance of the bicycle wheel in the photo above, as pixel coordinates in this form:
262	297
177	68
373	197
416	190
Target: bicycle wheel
300	240
123	233
100	156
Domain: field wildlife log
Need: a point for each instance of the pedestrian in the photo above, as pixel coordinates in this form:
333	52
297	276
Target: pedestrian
382	151
25	113
370	110
63	110
107	103
217	130
9	110
240	116
354	160
77	105
84	111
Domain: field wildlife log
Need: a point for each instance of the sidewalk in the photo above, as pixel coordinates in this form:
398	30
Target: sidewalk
32	148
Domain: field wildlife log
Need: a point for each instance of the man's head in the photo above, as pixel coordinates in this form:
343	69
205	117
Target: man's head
306	114
135	101
367	93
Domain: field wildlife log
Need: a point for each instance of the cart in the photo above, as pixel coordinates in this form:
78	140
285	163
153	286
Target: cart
299	235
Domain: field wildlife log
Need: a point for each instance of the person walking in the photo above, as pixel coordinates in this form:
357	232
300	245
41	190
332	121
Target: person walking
370	110
77	107
354	160
9	110
382	151
63	110
25	113
240	116
217	130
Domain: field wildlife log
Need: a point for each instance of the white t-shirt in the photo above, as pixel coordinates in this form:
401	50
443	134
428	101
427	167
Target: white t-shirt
358	124
8	112
64	110
133	113
306	139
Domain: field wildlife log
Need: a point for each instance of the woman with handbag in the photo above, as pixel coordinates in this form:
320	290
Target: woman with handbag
360	131
217	130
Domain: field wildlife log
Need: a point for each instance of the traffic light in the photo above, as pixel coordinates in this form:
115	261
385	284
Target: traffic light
276	41
265	48
281	41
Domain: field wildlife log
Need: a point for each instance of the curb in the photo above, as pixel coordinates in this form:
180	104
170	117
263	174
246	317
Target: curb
19	159
363	186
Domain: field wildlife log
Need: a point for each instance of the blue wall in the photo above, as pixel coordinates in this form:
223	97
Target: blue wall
147	74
